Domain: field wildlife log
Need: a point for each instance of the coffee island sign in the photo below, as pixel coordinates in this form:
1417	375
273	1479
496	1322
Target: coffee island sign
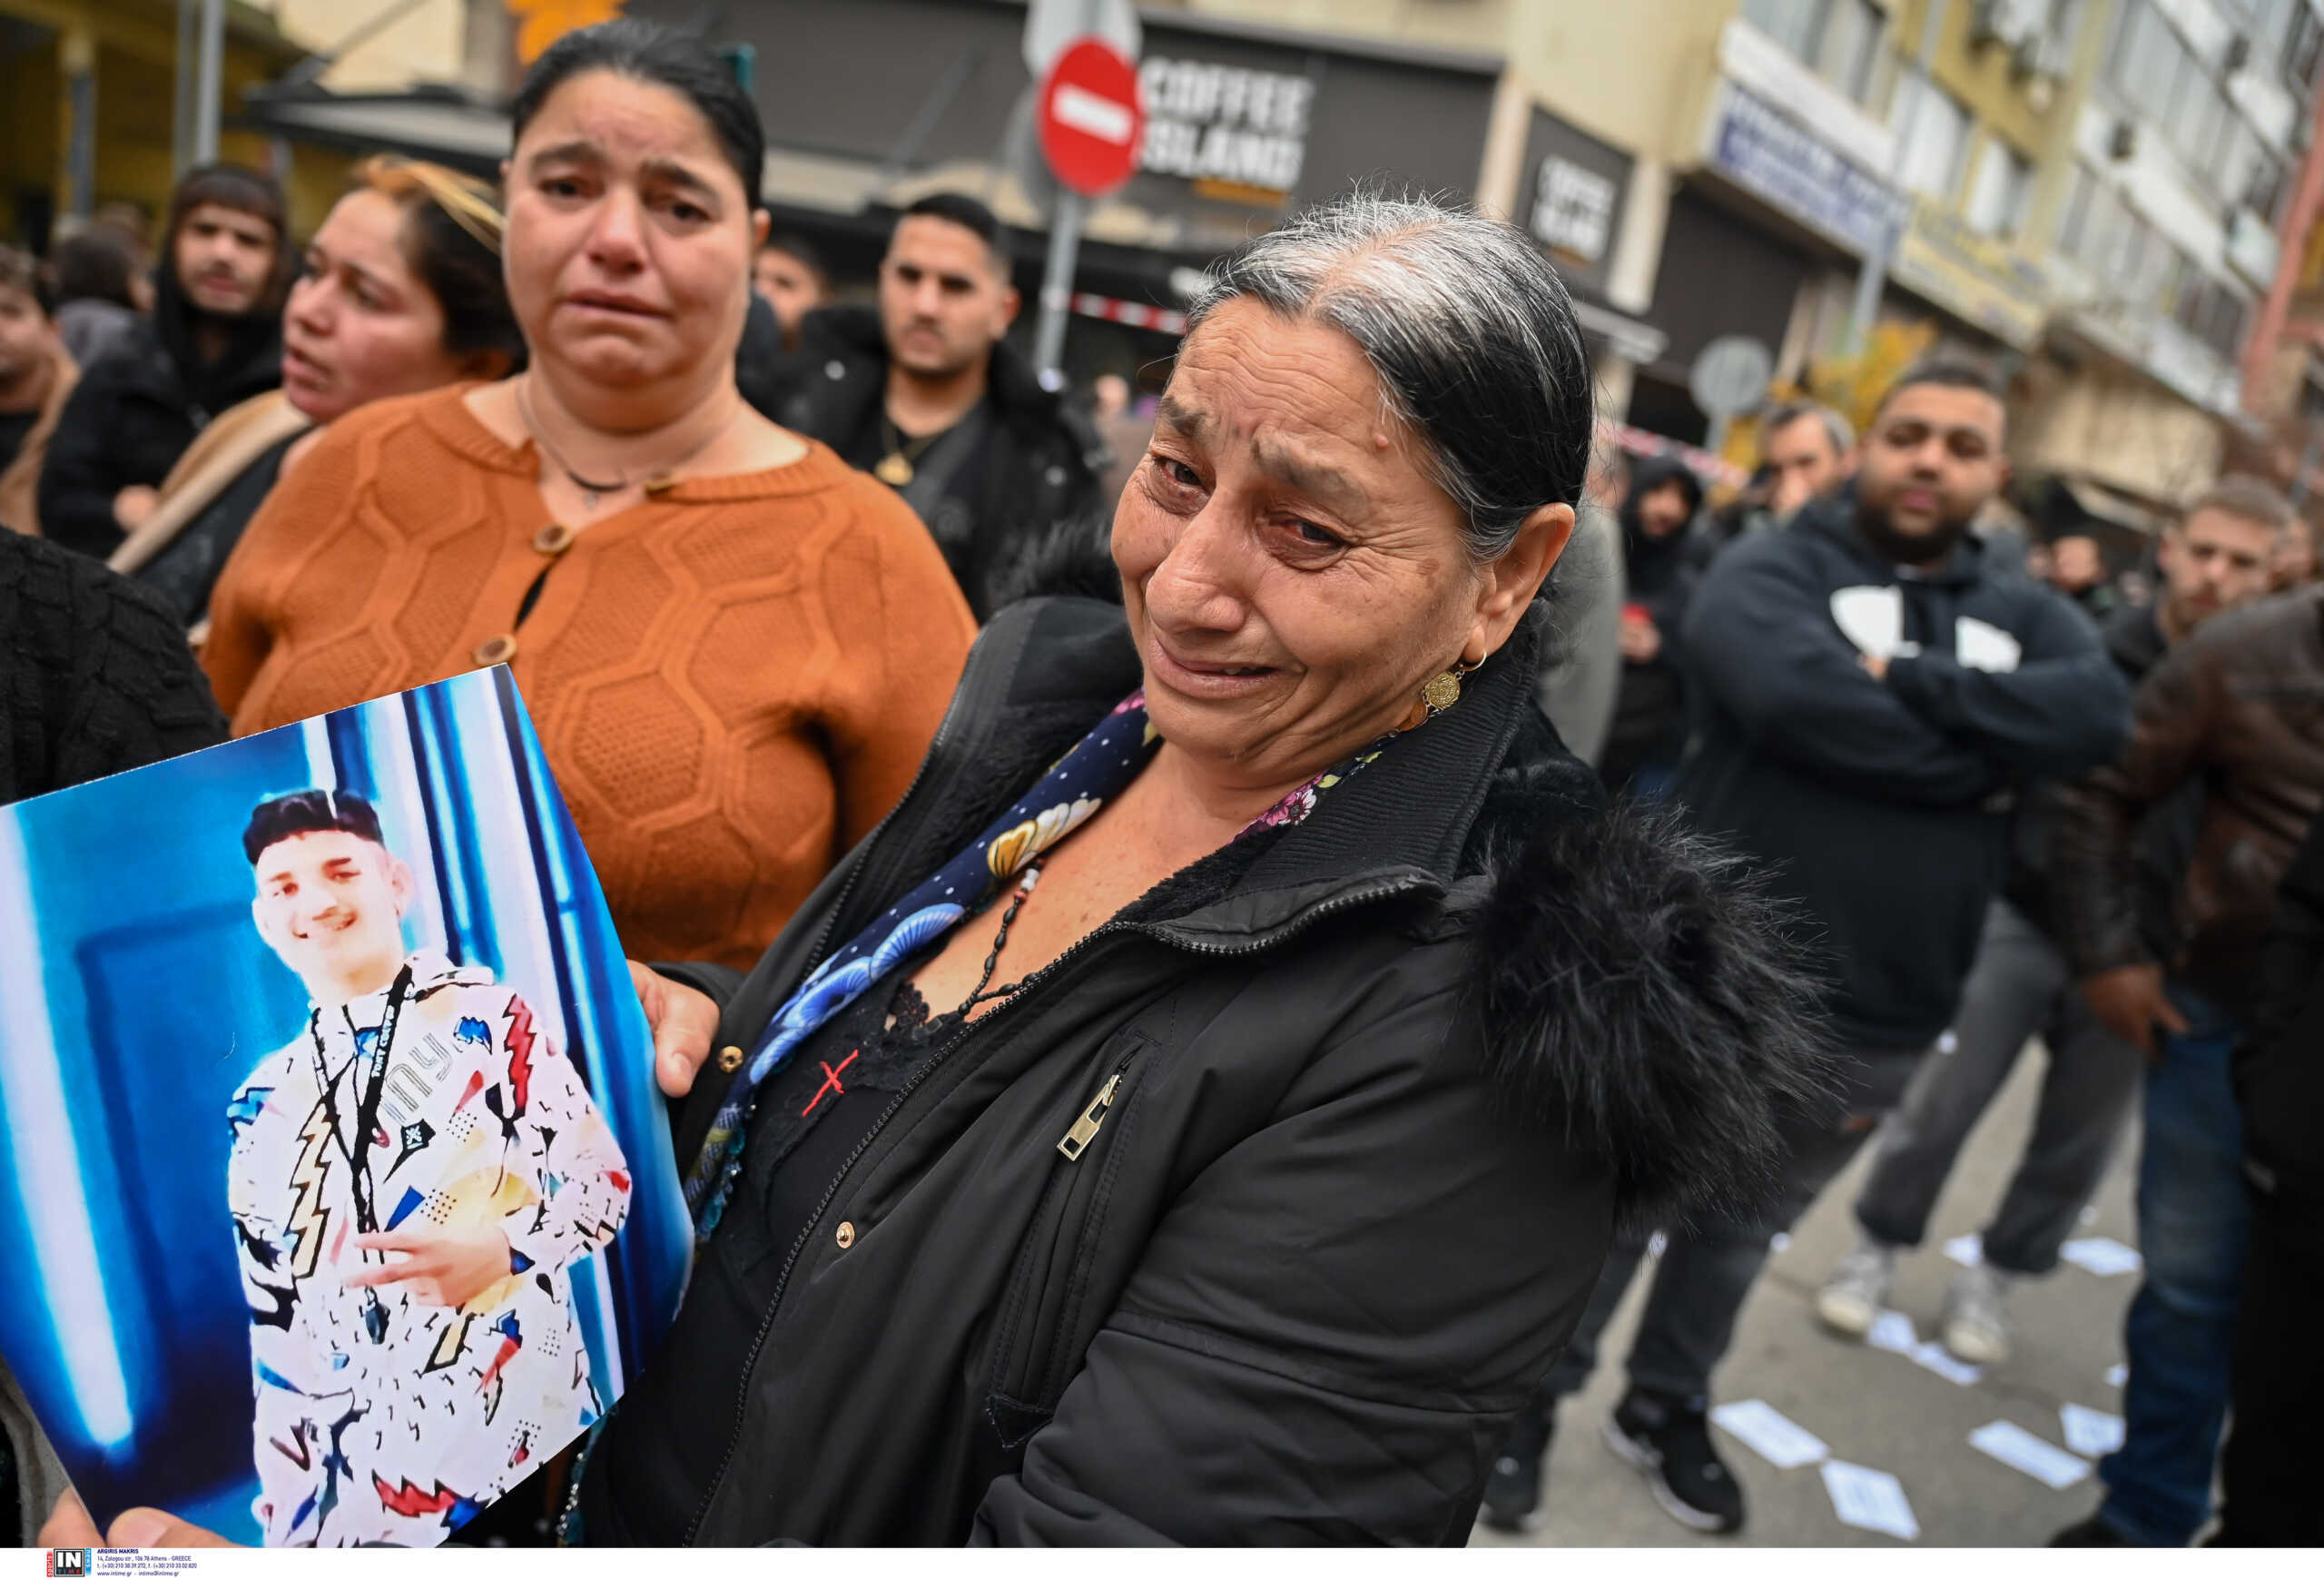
1234	132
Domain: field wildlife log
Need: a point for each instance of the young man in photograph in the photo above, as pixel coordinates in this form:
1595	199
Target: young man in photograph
412	1179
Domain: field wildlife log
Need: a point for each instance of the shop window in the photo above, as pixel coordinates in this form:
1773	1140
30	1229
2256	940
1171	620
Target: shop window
1933	128
2148	60
1839	40
1997	197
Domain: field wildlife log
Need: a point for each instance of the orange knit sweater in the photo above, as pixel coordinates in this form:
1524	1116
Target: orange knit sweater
734	680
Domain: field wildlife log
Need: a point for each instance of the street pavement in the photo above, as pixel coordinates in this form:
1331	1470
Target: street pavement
1872	1407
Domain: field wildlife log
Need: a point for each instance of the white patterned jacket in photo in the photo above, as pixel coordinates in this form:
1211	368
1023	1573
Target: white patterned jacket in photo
381	1419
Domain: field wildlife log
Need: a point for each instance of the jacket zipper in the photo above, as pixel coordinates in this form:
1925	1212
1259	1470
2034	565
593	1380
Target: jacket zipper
1085	1128
1048	972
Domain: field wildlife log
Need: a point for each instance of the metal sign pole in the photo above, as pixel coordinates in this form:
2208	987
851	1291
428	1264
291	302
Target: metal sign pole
210	84
1056	285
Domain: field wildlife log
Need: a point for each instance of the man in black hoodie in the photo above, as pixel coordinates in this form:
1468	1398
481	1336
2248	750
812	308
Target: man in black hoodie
925	395
1659	567
215	339
1869	695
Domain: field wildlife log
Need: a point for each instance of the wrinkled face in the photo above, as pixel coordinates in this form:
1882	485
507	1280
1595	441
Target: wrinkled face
1293	575
1932	460
1803	461
789	287
1663	510
2213	561
944	298
629	238
223	258
330	904
27	339
2075	563
360	325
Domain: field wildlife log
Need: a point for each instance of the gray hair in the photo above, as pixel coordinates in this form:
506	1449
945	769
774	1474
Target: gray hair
1835	426
1468	330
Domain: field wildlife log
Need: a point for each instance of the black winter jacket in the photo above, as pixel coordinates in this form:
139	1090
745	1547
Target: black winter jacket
1039	472
1884	805
1389	1077
1660	575
2280	1067
95	678
135	411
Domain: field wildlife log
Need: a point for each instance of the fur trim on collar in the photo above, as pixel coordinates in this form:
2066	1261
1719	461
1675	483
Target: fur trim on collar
1643	993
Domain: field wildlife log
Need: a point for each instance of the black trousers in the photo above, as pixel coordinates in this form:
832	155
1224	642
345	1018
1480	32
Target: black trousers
2268	1469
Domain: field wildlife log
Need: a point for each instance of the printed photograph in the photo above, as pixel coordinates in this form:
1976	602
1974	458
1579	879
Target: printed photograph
330	1152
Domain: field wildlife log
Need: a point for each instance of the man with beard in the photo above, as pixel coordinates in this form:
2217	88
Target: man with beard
215	339
2232	710
2215	559
925	395
1869	693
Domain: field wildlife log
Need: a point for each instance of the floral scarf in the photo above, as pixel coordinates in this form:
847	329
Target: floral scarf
1092	773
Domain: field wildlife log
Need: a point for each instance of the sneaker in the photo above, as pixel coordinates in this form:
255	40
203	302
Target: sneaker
1514	1490
1668	1441
1853	1296
1975	1326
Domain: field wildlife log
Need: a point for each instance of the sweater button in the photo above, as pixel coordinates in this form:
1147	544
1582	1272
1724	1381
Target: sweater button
846	1235
498	651
553	538
730	1059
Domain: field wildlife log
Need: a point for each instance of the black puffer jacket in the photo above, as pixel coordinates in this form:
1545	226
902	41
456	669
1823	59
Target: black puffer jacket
1038	471
1389	1077
95	677
135	411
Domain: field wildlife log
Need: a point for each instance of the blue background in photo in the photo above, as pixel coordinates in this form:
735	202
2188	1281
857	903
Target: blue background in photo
135	995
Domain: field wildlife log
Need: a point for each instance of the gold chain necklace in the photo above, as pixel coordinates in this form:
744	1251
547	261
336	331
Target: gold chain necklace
654	482
898	466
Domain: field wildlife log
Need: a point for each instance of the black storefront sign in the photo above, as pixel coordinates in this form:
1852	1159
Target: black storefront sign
1574	197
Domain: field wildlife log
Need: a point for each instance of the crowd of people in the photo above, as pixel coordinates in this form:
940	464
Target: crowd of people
1486	856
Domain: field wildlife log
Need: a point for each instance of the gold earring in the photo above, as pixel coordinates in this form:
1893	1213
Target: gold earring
1446	689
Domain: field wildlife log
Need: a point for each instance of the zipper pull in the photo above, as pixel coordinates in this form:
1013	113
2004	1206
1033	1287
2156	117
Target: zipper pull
1085	1128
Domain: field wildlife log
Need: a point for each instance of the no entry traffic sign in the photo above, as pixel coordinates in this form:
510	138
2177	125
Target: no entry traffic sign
1092	116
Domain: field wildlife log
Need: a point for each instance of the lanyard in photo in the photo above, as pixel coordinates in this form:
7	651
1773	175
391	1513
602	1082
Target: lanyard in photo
366	1110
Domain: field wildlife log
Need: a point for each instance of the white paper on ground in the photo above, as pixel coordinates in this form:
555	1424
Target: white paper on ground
1968	1250
2022	1450
2117	1375
2093	1433
1770	1433
1870	1499
2100	1257
1893	1330
1932	1357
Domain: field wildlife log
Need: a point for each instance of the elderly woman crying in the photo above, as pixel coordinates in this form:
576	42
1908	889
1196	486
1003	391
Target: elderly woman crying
1211	1137
1201	1110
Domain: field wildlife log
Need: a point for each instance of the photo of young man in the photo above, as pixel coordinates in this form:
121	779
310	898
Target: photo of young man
412	1180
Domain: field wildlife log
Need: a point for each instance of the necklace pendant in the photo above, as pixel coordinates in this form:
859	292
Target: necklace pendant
893	470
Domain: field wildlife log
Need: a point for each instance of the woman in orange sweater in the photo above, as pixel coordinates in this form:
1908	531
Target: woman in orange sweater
734	648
